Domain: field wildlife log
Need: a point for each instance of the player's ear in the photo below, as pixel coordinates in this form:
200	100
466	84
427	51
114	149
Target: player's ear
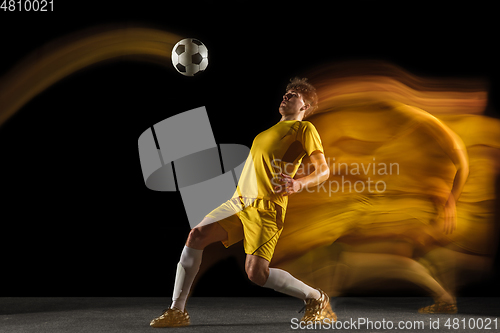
305	107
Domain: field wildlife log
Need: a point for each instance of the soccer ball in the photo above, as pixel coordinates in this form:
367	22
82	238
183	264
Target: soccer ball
190	57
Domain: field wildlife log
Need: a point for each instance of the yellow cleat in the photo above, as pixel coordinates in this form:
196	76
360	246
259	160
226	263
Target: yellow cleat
318	310
172	317
439	307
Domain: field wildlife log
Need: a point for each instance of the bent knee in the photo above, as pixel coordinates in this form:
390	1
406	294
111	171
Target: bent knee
196	238
257	276
202	236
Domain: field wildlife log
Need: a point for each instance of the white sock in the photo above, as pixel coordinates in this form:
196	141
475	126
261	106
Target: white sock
285	283
187	268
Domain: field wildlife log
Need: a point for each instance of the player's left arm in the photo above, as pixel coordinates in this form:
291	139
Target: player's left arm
319	175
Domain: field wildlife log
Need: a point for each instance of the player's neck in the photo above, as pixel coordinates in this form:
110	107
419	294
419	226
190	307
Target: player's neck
292	117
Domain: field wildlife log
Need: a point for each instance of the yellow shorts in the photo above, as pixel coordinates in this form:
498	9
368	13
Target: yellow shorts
258	222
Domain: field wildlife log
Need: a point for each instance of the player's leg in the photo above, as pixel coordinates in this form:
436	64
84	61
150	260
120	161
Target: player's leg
258	271
206	233
265	225
317	302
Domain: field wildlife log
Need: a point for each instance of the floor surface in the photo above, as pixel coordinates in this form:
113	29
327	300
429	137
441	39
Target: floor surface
237	314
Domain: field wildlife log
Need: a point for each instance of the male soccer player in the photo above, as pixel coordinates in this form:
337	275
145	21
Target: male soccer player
256	213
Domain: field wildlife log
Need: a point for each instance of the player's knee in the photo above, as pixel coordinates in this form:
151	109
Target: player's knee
196	238
257	275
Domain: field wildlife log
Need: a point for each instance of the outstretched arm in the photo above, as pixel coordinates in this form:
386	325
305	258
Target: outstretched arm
319	175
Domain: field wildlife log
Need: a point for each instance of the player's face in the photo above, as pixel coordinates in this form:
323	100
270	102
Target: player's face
292	103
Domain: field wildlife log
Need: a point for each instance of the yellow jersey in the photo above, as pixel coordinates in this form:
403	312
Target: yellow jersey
280	149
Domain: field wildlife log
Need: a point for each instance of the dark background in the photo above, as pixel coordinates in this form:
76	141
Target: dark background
77	219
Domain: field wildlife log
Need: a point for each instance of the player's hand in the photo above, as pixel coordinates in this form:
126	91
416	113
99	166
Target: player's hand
289	185
450	215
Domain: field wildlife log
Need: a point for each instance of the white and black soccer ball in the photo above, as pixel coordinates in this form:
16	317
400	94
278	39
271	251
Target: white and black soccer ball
190	56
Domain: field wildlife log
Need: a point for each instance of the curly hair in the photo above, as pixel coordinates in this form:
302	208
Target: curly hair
307	91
